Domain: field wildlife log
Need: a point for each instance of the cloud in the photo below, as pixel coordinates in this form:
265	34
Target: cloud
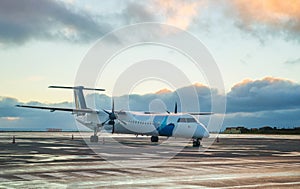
274	118
177	12
12	118
163	91
134	102
7	107
272	16
21	21
266	94
135	12
252	103
295	61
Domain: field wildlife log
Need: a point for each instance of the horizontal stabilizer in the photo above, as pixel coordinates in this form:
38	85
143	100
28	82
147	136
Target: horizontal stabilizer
201	113
76	87
52	109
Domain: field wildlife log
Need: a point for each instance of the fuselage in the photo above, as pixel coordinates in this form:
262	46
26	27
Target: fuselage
141	123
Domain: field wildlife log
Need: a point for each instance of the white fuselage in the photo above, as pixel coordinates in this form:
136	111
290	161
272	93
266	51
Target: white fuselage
127	122
140	123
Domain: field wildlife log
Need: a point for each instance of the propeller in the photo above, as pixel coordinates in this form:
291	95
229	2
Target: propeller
111	116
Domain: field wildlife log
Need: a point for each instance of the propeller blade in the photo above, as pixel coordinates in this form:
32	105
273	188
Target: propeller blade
106	111
104	122
113	116
113	106
175	111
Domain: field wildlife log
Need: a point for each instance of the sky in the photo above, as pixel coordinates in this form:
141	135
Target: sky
255	45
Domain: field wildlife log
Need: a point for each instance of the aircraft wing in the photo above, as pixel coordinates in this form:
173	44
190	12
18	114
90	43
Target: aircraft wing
52	109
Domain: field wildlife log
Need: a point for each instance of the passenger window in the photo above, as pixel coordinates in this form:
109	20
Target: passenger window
186	120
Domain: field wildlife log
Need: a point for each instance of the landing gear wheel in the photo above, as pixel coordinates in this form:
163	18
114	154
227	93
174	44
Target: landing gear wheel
196	142
154	138
94	138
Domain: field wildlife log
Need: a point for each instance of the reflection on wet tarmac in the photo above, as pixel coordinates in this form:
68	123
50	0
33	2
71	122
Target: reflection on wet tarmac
53	160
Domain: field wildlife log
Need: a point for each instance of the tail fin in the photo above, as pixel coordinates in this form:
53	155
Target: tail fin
79	99
78	95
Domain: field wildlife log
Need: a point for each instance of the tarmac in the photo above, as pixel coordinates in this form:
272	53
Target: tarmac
55	160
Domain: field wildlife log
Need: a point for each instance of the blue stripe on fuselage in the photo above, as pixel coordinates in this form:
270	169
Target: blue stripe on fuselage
164	129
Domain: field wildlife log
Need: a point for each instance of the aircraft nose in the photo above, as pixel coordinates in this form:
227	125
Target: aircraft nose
206	133
201	132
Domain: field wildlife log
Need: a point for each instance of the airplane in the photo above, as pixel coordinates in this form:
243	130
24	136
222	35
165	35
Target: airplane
181	125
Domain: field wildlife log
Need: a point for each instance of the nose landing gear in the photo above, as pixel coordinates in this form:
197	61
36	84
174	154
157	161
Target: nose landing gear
196	142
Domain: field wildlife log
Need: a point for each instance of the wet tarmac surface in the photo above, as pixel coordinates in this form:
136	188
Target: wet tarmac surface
53	160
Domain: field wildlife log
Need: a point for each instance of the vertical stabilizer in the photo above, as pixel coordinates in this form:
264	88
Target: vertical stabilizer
79	98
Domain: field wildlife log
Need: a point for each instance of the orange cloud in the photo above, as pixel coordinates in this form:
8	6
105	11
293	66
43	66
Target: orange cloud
163	91
177	12
274	79
197	84
277	13
244	82
268	79
11	118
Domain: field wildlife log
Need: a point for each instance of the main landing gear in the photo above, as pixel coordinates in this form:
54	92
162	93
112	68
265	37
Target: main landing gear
94	138
154	138
196	142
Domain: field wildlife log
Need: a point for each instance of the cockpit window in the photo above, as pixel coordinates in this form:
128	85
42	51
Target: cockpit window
186	120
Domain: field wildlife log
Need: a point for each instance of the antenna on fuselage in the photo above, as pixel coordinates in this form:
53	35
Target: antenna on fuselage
175	109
